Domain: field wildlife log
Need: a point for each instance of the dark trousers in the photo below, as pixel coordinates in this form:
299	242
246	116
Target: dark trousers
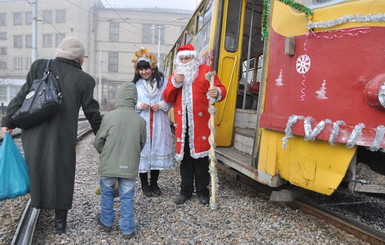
194	169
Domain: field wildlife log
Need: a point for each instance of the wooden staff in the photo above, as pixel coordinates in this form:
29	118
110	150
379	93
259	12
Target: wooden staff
213	160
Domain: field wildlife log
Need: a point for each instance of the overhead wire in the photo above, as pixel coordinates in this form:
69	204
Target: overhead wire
125	21
108	20
93	13
44	19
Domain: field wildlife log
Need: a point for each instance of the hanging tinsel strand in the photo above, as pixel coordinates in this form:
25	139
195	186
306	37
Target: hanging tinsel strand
213	160
335	132
297	6
376	145
208	76
311	134
289	129
266	13
345	19
265	16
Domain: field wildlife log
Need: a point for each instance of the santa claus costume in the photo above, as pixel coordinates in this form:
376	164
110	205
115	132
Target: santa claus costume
191	117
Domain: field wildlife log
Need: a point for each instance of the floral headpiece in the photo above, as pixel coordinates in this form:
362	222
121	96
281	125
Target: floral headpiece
144	54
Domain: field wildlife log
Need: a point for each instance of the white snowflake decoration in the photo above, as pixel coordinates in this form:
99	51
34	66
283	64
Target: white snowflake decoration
303	64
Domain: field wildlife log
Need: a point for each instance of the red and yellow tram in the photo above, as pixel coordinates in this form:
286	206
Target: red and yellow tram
319	106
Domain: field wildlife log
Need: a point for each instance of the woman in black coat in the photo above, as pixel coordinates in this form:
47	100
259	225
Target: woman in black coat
50	147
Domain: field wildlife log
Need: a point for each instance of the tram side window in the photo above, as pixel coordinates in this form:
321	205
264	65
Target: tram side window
259	68
248	71
179	43
189	33
233	25
202	36
167	66
204	14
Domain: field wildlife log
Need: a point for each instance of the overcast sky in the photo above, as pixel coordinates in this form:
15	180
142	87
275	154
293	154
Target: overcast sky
174	4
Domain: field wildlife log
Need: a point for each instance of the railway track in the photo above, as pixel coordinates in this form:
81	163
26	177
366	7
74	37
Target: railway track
27	224
359	230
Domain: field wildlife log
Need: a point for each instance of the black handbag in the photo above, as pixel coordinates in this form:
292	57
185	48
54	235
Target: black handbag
42	102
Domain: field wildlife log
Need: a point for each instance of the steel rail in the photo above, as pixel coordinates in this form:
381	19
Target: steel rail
26	227
28	221
361	231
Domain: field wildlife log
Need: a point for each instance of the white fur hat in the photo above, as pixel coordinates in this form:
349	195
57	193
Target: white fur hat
70	48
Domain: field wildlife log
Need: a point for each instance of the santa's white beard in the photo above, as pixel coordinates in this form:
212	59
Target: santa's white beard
189	70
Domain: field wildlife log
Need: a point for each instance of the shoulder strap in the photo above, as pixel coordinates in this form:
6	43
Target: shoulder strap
53	78
47	66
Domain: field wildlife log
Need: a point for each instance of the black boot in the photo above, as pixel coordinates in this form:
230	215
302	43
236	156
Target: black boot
154	183
60	220
145	187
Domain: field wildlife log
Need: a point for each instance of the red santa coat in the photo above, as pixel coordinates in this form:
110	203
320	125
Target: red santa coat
192	98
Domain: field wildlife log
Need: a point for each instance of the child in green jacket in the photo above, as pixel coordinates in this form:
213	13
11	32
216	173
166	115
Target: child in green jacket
120	139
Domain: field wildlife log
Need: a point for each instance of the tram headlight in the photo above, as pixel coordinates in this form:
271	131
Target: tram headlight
375	92
381	95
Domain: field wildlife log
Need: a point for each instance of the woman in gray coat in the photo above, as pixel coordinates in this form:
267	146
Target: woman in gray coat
49	147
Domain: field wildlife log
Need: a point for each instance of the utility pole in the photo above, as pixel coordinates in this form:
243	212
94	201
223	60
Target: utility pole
159	28
100	77
34	30
35	211
158	44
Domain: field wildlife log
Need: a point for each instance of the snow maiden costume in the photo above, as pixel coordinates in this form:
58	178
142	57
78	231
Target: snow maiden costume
158	151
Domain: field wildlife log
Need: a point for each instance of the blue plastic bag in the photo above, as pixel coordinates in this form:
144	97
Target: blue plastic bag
14	179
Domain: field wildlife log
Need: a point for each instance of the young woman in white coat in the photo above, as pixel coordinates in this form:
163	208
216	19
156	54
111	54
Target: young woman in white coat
158	152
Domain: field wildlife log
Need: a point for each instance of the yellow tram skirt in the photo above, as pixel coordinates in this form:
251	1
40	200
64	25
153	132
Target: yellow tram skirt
314	165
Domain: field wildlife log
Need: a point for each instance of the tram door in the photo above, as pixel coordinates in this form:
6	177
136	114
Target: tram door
251	57
251	78
229	61
239	62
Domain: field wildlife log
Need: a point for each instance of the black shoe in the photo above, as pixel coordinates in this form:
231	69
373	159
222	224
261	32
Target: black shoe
60	226
104	227
147	191
204	199
155	189
129	236
181	199
60	221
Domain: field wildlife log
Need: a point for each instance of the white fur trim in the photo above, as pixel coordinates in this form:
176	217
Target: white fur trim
145	59
186	53
163	106
139	106
176	85
219	97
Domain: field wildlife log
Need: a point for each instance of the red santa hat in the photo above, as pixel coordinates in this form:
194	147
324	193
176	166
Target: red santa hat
186	50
